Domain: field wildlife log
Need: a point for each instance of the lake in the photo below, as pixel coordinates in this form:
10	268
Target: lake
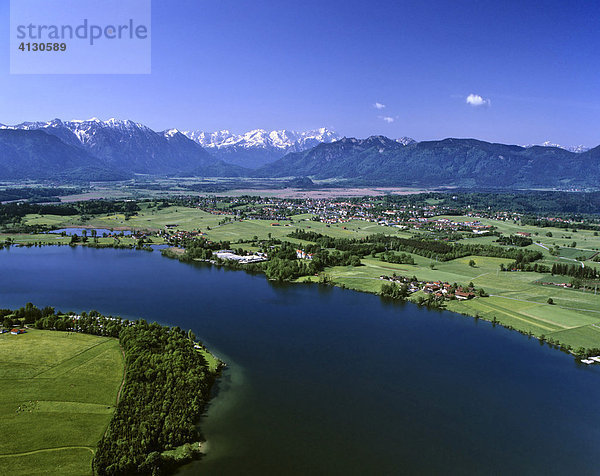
99	231
329	381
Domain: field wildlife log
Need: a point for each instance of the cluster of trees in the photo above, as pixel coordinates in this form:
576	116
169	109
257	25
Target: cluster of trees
360	247
11	214
526	266
444	251
166	391
431	302
200	248
395	291
279	269
284	266
584	353
51	319
514	240
24	315
90	207
575	270
401	258
88	323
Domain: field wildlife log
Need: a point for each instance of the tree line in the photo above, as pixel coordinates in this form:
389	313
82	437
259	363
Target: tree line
514	240
575	270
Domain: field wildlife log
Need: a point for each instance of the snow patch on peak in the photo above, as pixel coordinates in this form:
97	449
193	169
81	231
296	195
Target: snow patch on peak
578	149
282	140
171	132
406	140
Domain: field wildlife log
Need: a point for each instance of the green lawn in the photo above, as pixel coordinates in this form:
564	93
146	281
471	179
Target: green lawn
58	391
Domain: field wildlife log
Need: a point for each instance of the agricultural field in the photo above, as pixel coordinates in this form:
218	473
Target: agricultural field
584	239
147	219
216	227
58	391
247	229
187	219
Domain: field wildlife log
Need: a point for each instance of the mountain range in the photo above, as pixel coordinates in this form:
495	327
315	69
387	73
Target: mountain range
125	147
258	147
115	150
378	160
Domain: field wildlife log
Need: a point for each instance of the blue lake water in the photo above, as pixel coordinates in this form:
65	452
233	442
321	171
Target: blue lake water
99	231
329	381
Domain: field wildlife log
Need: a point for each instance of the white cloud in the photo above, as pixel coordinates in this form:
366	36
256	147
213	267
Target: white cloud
387	119
378	105
477	100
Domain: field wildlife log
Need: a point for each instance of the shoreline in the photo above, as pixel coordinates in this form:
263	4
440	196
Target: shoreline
179	253
326	279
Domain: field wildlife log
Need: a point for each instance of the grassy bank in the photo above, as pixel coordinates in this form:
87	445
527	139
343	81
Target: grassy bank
57	395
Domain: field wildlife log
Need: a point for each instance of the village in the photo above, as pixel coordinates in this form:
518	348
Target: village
432	218
438	289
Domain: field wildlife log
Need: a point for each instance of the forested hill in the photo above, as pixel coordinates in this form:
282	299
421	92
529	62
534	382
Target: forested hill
453	162
107	151
37	155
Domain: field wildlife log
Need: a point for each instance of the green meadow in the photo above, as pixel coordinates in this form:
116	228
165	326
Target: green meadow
188	219
58	391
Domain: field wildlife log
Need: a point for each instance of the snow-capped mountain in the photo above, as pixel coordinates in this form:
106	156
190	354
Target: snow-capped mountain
578	149
55	127
261	138
258	147
406	140
130	146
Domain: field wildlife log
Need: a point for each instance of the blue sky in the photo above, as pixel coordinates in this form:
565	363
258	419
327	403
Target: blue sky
532	68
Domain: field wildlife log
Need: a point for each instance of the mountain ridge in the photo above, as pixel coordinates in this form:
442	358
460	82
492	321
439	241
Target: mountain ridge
34	154
379	160
133	147
117	149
